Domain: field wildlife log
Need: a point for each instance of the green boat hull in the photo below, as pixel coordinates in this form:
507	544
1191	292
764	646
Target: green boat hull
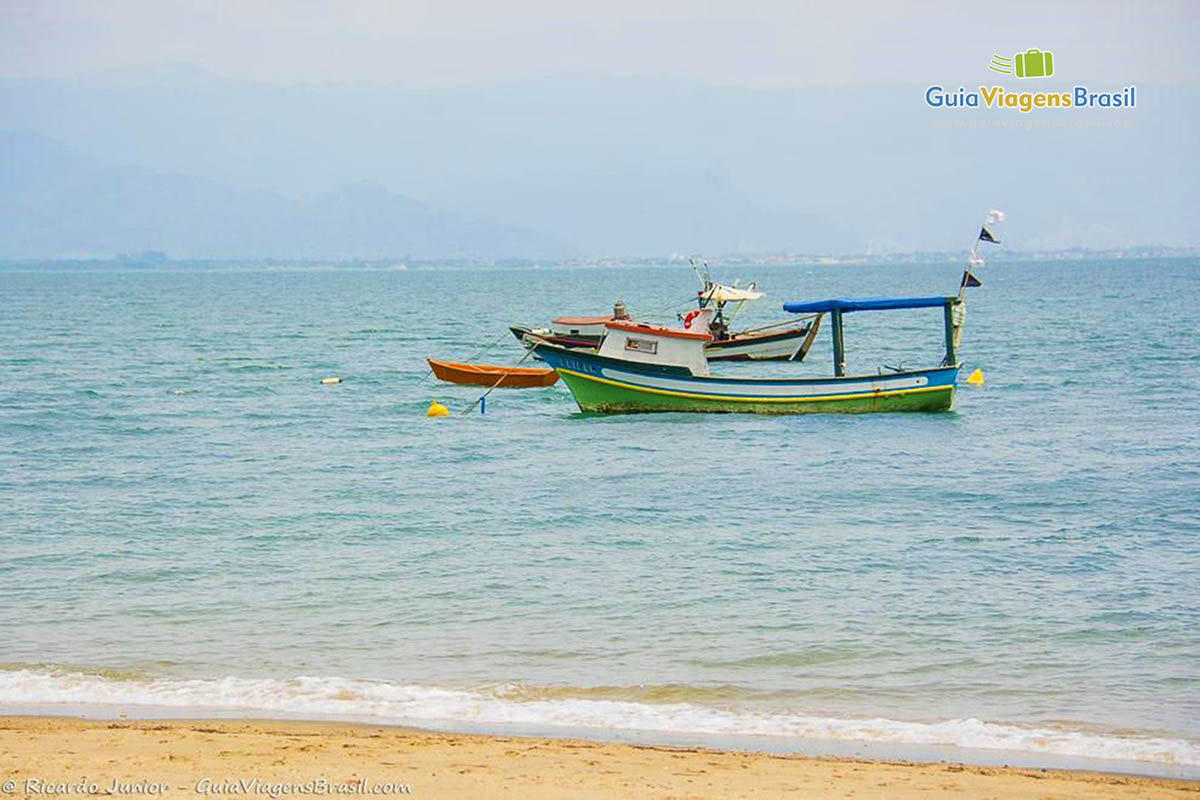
594	395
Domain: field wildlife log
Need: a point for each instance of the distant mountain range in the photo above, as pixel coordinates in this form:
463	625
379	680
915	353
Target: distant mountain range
55	203
201	166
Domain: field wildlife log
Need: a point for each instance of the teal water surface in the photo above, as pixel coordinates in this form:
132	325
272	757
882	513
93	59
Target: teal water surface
183	500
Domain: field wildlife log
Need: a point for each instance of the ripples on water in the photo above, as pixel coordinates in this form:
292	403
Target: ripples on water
184	499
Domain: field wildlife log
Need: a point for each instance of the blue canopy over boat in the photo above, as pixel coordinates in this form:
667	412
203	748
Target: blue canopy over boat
867	304
839	306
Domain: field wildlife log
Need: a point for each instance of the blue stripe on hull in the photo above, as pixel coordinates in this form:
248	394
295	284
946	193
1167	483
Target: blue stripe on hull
734	392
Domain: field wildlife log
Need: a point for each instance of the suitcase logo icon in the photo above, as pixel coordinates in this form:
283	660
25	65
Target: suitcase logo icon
1033	63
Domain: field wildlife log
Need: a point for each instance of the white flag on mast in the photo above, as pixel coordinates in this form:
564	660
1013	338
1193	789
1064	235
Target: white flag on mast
994	216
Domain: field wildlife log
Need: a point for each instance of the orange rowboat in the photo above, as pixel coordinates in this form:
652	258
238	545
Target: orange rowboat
485	375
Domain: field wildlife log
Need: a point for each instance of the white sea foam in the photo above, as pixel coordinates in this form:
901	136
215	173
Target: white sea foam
411	704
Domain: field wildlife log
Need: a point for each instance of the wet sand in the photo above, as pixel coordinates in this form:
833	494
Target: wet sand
65	757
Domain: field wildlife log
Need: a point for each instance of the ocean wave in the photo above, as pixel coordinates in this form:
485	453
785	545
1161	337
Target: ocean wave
414	704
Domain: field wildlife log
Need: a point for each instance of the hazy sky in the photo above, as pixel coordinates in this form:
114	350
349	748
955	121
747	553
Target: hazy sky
621	126
446	42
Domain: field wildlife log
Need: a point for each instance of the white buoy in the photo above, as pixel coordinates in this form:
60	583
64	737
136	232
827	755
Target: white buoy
331	381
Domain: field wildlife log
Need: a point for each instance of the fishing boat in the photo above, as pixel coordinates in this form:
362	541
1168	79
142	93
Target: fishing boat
487	375
643	368
781	341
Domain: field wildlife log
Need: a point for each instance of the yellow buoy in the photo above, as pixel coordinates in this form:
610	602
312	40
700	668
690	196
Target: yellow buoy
976	378
330	381
436	409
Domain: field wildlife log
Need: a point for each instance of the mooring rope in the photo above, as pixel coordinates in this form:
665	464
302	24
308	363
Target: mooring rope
493	343
789	321
483	396
487	347
672	307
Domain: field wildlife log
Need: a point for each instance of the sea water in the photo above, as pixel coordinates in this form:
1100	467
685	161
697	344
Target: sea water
191	523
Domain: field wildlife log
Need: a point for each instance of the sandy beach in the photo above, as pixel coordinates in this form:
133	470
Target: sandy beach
48	756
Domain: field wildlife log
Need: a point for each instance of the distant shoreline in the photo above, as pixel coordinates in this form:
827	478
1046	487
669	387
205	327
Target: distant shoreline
725	261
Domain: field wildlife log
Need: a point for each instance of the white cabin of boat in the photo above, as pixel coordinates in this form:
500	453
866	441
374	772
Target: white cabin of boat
658	344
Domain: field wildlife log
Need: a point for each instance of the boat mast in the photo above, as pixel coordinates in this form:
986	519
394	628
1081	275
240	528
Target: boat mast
956	312
706	294
952	330
971	255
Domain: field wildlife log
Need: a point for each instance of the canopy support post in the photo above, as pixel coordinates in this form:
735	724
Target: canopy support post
839	346
948	317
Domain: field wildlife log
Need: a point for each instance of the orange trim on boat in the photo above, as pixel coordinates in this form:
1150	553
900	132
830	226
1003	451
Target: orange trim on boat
487	375
657	330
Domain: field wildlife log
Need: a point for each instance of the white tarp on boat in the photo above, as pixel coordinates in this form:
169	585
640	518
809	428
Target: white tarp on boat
720	293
